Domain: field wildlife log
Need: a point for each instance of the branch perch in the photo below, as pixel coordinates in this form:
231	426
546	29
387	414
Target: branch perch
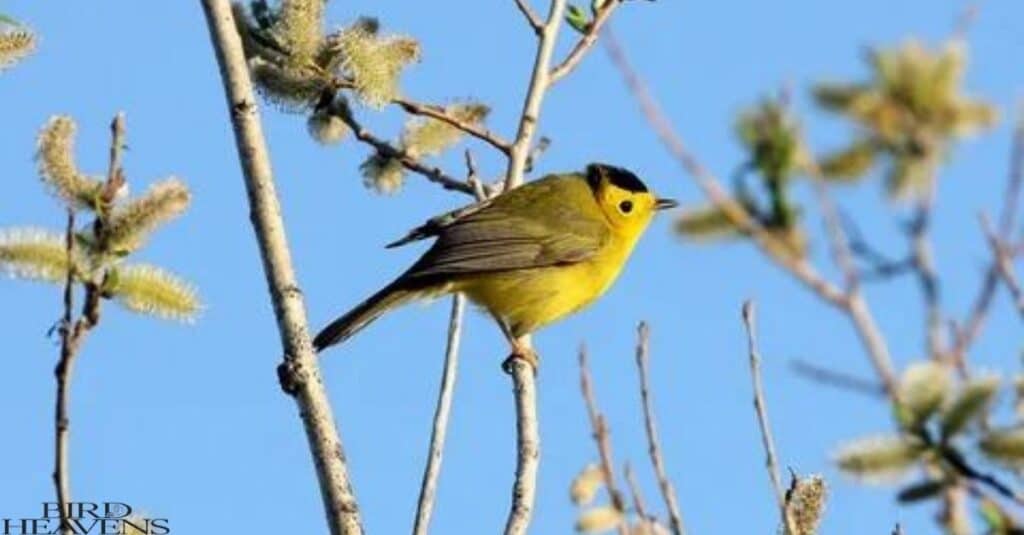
300	371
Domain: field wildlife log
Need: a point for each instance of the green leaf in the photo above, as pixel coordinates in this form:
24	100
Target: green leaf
969	404
922	490
923	388
576	17
1004	444
880	458
849	163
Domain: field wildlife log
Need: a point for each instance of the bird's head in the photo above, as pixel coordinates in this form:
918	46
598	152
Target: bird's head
624	199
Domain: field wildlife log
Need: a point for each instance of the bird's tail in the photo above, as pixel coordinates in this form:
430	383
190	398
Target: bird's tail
362	315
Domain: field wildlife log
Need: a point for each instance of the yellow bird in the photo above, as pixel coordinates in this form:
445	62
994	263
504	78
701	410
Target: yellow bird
529	257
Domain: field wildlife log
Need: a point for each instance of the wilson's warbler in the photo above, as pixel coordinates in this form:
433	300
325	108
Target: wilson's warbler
529	256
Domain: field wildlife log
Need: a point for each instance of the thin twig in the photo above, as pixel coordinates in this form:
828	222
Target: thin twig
1003	262
300	372
927	276
432	173
972	326
586	42
523	373
531	16
668	493
428	489
830	377
634	490
68	351
771	460
599	427
772	246
439	113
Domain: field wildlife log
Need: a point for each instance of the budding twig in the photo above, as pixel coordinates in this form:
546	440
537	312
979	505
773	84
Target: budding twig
599	427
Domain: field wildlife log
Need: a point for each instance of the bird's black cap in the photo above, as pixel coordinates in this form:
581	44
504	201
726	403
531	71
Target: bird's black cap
616	175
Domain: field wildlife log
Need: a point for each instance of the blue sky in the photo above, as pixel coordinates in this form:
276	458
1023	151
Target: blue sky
187	422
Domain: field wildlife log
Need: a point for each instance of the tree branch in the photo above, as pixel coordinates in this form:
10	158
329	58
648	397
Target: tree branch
300	371
437	112
523	378
599	427
1003	262
771	460
668	493
425	505
586	42
853	304
531	16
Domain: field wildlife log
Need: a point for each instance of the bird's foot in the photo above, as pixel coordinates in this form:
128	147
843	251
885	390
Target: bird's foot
521	353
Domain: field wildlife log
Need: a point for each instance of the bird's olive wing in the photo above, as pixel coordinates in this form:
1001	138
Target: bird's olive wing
497	239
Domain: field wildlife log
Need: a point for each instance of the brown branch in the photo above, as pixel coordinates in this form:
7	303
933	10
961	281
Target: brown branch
439	113
531	16
300	372
586	42
1004	263
634	490
771	460
428	488
927	276
770	245
432	173
668	493
601	437
844	381
975	322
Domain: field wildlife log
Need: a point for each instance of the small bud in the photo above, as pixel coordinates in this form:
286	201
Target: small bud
384	174
327	128
805	504
424	136
881	458
577	18
15	45
300	22
35	254
1005	445
922	390
969	404
598	519
55	153
150	290
584	488
290	87
375	63
131	224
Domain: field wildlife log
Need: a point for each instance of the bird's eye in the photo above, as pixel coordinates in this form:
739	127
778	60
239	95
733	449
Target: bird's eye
626	207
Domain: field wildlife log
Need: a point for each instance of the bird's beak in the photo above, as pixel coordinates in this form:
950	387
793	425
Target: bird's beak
665	204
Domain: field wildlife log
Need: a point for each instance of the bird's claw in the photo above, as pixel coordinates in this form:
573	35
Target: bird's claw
524	354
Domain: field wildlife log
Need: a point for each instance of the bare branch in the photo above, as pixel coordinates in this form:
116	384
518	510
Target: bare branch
531	16
410	162
1003	261
771	246
668	493
927	276
771	460
601	437
586	42
836	379
68	351
300	372
636	493
972	326
437	112
428	489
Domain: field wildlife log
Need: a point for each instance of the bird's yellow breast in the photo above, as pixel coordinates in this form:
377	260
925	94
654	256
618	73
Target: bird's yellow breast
531	298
